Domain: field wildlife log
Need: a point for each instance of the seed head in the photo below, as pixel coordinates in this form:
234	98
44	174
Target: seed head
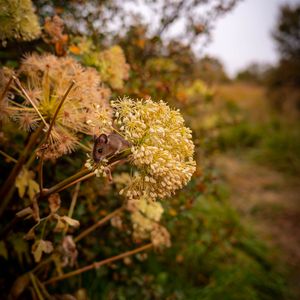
85	109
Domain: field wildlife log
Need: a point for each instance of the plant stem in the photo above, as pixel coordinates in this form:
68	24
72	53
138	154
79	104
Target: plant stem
98	224
42	263
6	88
74	200
96	265
40	167
73	203
67	182
9	185
8	156
77	181
43	289
36	288
19	84
82	175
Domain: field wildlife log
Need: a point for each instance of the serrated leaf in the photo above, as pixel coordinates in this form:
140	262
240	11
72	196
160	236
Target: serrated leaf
39	247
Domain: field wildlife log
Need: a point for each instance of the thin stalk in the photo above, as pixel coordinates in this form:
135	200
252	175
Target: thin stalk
6	88
74	200
18	83
98	224
42	263
43	289
70	180
77	181
84	147
97	265
8	156
81	175
35	286
9	185
73	204
41	161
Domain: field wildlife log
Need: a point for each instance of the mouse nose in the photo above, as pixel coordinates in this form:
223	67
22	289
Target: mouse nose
96	159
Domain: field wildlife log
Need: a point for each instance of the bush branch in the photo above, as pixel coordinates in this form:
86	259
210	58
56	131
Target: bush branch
97	265
9	185
98	224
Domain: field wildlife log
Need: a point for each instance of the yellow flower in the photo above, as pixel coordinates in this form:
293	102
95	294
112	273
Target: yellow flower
162	152
162	147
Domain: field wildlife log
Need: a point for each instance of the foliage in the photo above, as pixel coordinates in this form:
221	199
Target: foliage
255	73
286	33
280	147
18	21
284	80
60	94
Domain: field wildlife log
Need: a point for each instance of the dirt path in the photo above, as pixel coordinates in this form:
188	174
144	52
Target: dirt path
270	201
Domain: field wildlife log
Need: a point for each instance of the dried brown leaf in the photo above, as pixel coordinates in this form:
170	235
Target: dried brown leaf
25	213
60	226
19	286
54	202
39	247
70	221
30	235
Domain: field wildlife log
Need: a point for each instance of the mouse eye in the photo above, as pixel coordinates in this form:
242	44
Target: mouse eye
100	150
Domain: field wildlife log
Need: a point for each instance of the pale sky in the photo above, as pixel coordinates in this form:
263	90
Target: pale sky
243	35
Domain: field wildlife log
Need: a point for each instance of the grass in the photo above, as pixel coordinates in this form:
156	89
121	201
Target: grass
273	140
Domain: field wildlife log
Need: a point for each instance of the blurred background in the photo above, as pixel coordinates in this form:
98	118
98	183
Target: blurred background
233	69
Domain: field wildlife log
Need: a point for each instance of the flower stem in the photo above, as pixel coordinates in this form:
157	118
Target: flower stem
67	182
41	161
98	224
98	264
19	84
9	185
81	175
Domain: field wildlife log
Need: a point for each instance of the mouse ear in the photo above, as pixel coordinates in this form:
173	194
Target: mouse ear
103	138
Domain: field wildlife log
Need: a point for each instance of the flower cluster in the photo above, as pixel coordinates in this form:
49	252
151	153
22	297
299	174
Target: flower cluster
113	67
162	152
162	147
47	80
18	20
110	63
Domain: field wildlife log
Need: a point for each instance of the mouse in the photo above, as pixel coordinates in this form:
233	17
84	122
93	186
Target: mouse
108	145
